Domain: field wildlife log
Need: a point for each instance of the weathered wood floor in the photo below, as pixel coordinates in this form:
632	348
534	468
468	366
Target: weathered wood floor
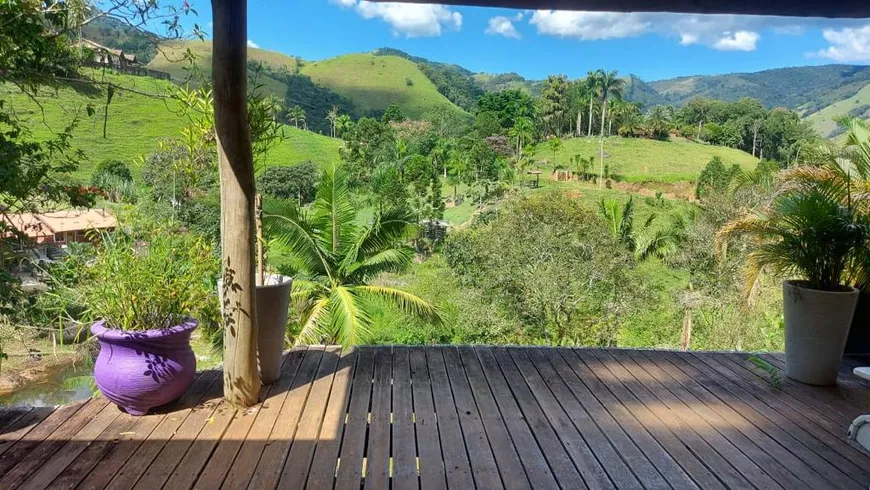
462	418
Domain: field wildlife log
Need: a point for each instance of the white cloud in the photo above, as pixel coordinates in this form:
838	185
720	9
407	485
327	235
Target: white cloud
848	45
411	20
502	26
588	26
722	32
252	44
738	41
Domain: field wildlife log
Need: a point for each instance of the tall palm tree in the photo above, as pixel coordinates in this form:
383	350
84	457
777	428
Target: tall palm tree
593	84
610	85
296	115
522	131
332	117
334	261
659	122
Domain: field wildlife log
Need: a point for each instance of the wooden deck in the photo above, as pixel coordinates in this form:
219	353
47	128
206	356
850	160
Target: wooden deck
462	418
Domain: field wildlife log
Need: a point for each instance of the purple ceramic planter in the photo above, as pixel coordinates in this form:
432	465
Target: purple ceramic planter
144	369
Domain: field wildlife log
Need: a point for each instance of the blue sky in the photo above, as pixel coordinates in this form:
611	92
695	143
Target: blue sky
537	43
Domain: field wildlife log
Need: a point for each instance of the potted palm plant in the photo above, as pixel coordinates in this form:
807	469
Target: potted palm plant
334	261
143	297
814	234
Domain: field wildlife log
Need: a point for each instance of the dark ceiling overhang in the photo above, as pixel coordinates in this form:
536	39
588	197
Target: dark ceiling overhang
792	8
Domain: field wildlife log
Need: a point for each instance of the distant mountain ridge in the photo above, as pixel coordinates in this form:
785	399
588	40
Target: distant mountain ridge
418	84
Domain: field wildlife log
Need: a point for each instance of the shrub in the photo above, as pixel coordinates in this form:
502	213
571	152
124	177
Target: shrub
136	285
297	182
715	178
111	170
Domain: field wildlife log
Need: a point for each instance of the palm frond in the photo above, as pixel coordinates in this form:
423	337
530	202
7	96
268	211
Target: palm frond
391	260
350	316
334	213
406	302
390	229
313	322
290	226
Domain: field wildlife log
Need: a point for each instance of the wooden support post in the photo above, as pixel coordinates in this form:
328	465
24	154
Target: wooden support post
236	165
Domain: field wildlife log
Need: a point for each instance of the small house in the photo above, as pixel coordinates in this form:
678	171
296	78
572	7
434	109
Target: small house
61	227
108	57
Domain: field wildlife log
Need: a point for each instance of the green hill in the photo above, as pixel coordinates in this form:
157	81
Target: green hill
374	82
644	160
808	87
856	105
136	123
171	56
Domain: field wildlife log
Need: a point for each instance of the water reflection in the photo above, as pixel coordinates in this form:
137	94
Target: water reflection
65	386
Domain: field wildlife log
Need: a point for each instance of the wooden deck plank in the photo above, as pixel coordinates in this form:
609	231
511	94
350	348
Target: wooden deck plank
237	474
789	397
456	463
780	429
350	466
510	466
216	466
102	445
730	445
766	395
150	430
500	367
404	440
160	468
70	449
377	468
431	462
835	406
10	415
274	456
14	445
323	466
462	417
483	466
640	422
602	470
498	404
37	455
580	404
776	461
667	418
298	463
197	456
133	469
846	396
22	426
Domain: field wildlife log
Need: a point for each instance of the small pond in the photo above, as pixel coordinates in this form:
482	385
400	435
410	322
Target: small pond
64	386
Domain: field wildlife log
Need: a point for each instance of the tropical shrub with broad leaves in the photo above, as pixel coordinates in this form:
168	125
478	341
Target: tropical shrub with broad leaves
334	262
817	227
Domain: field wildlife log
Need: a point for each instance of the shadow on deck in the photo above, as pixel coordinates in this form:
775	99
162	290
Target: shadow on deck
466	417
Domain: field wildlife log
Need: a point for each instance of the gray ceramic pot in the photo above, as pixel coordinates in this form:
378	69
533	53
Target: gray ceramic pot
816	327
273	303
